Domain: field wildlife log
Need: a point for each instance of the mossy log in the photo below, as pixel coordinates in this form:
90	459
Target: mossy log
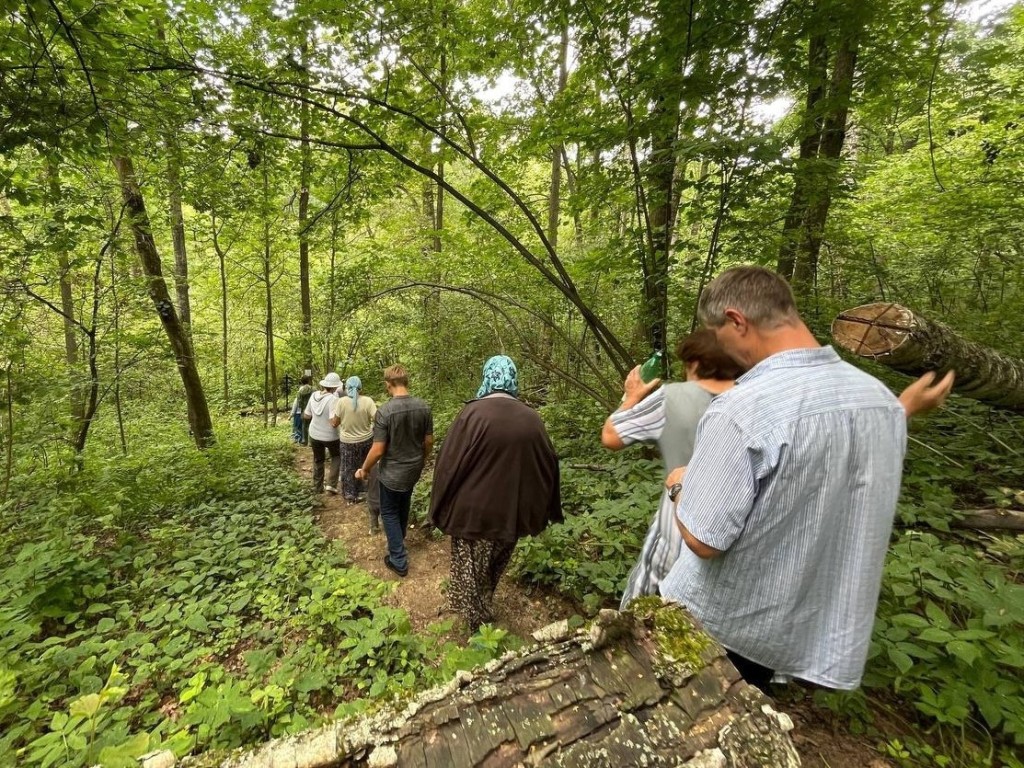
904	340
645	688
991	520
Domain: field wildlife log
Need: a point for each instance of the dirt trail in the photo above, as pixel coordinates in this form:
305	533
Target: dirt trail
421	593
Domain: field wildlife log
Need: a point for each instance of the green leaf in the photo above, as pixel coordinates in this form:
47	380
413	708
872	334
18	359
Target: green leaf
902	661
964	651
197	622
935	635
87	706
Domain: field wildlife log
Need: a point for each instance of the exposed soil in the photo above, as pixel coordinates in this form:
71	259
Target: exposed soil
820	737
518	609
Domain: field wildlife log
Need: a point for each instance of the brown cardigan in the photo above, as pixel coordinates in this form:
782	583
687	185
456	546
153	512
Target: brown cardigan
497	474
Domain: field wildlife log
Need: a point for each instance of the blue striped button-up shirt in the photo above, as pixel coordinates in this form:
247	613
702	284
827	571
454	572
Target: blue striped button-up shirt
795	476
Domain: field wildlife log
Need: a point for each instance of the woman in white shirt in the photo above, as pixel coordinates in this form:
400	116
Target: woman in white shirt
323	436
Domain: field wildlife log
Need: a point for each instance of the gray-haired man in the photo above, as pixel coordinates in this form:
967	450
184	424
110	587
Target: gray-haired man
787	504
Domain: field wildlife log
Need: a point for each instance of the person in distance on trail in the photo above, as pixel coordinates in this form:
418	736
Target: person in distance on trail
353	416
496	480
323	435
403	436
668	416
300	427
787	504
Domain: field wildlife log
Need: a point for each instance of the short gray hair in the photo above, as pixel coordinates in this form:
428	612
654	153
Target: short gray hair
763	296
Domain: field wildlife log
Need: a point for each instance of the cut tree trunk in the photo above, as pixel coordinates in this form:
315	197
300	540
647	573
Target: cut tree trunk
990	520
903	340
630	690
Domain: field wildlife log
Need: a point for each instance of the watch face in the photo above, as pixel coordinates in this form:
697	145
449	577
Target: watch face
673	492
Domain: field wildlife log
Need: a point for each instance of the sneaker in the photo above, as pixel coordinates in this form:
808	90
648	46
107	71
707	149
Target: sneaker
331	490
403	572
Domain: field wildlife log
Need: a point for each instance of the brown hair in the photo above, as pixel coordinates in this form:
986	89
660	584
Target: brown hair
712	361
396	376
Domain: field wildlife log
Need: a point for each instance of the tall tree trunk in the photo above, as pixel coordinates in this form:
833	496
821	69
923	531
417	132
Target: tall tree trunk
222	264
557	149
178	234
92	395
117	349
135	207
67	300
904	340
9	431
304	180
660	174
810	140
270	375
830	151
332	300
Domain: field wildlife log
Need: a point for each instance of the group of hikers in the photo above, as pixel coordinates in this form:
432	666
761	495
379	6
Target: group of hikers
782	471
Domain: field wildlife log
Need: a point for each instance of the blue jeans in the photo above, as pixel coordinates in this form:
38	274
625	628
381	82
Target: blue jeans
297	427
394	517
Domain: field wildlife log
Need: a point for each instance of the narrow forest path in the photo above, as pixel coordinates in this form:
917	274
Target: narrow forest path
518	609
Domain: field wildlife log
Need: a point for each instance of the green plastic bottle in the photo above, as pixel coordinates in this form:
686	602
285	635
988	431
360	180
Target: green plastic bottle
651	369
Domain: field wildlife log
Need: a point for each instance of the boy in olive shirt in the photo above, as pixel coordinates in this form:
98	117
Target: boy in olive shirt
403	436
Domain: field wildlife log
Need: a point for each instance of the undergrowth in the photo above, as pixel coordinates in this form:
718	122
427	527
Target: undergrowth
185	600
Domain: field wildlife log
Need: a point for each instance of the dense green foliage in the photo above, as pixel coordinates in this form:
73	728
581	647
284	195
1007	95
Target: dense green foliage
187	600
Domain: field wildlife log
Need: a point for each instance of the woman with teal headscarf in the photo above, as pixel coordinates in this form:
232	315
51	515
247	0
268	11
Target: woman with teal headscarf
496	480
353	416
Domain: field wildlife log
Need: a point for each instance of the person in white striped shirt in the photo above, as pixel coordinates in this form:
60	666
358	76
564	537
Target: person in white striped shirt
787	504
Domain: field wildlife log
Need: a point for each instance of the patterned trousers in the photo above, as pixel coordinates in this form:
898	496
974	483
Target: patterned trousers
352	457
476	568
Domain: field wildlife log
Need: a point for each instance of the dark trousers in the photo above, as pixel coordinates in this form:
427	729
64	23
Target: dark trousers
352	457
394	517
756	674
320	449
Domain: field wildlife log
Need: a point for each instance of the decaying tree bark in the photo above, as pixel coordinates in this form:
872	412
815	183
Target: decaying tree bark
629	690
901	339
990	520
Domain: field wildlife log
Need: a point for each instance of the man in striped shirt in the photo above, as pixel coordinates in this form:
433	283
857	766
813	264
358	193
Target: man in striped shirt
788	501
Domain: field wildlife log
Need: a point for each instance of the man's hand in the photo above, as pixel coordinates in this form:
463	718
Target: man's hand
675	476
926	394
635	388
360	474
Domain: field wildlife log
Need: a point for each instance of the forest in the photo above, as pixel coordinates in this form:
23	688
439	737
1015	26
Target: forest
200	202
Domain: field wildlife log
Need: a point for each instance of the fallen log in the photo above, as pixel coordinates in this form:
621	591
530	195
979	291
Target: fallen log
990	520
904	340
639	688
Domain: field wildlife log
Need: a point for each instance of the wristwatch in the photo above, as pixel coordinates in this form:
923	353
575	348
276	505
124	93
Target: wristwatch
673	491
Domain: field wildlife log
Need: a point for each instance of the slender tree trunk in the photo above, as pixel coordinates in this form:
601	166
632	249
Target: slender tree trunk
8	432
904	340
332	300
67	300
304	180
557	150
270	375
135	205
810	140
222	264
117	350
92	395
178	234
